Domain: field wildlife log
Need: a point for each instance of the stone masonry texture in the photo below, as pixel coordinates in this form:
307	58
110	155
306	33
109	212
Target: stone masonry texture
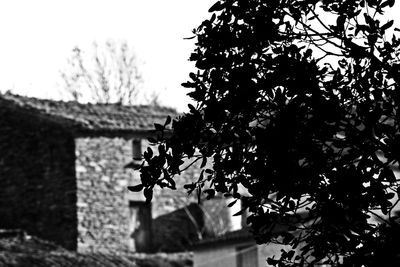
37	178
103	210
62	179
103	202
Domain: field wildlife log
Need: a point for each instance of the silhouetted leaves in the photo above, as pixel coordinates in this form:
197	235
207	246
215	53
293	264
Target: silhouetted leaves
296	116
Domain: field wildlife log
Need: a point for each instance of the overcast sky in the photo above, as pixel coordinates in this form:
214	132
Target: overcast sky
37	37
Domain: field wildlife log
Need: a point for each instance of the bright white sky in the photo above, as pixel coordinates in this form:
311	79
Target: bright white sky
38	36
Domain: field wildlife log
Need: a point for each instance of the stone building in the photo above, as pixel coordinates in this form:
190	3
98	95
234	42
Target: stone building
62	177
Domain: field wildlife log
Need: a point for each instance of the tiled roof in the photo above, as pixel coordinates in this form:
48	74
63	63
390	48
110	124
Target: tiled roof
229	237
90	118
244	234
17	248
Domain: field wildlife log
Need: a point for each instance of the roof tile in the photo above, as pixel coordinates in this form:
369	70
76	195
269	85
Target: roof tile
90	117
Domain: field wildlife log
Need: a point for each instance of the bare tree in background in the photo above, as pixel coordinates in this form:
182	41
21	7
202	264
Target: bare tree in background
108	74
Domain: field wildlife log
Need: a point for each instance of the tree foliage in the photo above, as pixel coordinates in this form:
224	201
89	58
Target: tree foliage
107	74
298	112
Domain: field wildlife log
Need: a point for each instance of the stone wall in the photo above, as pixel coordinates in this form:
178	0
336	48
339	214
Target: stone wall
104	213
37	179
103	210
215	256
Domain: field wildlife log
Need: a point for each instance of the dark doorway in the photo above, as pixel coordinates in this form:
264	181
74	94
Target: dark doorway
140	226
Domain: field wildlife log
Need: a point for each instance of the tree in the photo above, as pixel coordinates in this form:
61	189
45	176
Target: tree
108	75
298	112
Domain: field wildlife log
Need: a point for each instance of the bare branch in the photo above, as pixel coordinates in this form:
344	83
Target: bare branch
109	74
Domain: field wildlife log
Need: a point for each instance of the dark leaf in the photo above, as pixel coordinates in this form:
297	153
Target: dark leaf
136	188
188	85
208	171
272	261
240	212
389	3
133	165
148	194
148	154
159	127
189	186
290	254
191	108
192	76
232	203
152	140
390	195
388	175
167	121
210	193
216	7
387	25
